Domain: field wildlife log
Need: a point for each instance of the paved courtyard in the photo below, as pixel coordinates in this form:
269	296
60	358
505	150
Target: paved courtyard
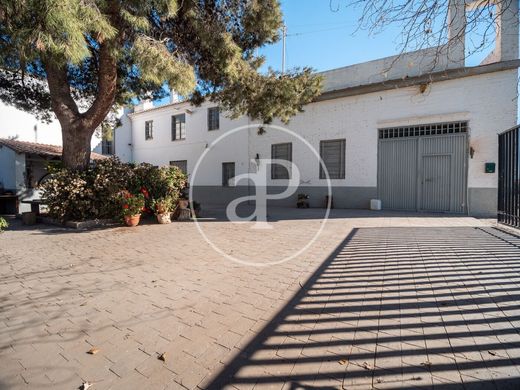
378	301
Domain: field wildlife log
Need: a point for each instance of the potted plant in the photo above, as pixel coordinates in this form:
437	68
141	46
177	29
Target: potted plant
132	208
163	208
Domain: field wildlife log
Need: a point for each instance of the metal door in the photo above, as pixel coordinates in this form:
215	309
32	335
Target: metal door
423	168
435	182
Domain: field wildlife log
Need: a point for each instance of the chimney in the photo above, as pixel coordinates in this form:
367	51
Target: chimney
507	30
174	97
143	105
456	33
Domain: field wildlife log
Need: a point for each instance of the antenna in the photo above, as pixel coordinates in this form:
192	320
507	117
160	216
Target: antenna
36	133
284	35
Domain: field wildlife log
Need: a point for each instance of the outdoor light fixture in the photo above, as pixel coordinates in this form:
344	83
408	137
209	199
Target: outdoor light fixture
257	159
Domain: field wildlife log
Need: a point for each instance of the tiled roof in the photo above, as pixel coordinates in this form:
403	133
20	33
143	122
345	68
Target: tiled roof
40	149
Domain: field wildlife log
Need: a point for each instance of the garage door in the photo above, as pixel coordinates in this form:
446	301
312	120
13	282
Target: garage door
423	167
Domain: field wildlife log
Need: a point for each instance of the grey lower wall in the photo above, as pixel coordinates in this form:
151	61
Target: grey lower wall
483	202
343	197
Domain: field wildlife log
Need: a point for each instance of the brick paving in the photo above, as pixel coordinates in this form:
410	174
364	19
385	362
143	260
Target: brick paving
379	301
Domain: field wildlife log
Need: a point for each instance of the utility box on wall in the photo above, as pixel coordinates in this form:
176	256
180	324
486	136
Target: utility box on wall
490	167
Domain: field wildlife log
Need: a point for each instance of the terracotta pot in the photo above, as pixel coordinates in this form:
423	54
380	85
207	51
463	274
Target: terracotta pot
132	220
164	218
183	204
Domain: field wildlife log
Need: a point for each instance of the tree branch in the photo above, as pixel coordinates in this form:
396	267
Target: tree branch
62	102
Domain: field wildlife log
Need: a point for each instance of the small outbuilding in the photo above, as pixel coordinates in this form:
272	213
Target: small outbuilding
22	167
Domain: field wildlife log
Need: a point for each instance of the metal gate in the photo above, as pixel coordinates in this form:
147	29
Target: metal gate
509	177
423	168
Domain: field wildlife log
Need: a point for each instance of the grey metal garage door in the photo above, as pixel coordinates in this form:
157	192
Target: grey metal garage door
423	167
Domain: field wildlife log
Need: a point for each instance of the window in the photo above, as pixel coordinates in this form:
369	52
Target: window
424	130
107	146
213	118
181	164
333	155
148	130
228	173
281	152
178	127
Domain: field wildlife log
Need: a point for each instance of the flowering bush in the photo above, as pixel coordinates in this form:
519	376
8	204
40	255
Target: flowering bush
131	204
158	183
3	224
96	193
163	205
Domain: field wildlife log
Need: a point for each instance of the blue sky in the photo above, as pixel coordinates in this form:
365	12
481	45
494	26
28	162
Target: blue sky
325	38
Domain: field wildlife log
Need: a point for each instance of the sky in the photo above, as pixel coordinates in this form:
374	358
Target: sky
322	34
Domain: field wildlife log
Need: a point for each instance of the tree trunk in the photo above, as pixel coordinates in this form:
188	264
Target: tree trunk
76	147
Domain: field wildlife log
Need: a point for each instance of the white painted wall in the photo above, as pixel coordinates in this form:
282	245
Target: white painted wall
17	123
7	168
161	149
487	102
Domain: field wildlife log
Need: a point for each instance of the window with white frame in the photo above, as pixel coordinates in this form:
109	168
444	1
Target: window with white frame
178	127
148	130
213	118
332	153
281	152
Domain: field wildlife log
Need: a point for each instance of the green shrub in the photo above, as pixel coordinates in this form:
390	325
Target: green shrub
96	193
3	224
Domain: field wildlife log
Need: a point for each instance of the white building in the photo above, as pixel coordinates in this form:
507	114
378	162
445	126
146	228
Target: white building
418	134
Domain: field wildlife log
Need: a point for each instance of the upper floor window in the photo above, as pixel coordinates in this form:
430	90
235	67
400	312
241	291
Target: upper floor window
148	130
333	155
281	152
213	118
178	127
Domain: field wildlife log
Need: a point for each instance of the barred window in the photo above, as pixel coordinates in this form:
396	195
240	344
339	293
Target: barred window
148	130
424	130
228	173
213	118
281	152
332	153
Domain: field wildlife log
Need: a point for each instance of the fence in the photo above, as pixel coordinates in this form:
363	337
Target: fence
509	177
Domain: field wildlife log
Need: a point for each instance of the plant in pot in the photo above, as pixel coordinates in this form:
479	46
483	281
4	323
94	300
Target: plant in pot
163	208
132	206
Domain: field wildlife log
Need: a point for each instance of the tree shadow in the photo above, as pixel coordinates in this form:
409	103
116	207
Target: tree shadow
395	308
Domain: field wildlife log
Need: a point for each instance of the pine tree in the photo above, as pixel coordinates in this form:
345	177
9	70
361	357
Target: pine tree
82	58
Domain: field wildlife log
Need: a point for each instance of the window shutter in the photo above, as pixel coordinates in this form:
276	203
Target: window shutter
281	152
333	156
213	118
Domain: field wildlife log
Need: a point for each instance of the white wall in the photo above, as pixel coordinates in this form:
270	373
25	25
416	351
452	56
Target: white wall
487	102
161	149
14	122
7	168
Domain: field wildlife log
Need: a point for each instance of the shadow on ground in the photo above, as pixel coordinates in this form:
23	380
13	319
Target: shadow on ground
396	308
